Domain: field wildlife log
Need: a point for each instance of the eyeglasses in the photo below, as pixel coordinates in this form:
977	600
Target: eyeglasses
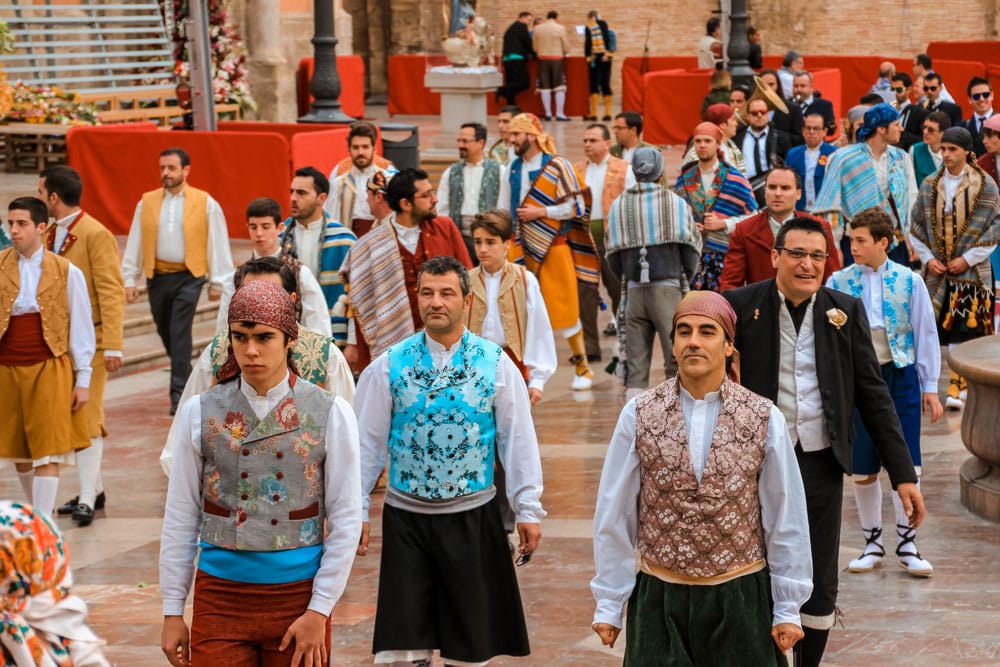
798	253
758	113
424	195
930	89
982	96
619	128
813	129
900	89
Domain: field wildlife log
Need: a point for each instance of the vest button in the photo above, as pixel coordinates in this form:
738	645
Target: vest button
245	496
280	455
244	474
274	522
243	516
276	497
279	475
246	452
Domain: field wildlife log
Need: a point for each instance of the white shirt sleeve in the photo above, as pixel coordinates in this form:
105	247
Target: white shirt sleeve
978	255
616	521
539	342
342	498
630	181
912	187
220	256
315	312
565	210
373	405
222	317
442	195
82	340
786	526
182	512
132	258
199	381
925	337
517	445
339	378
923	252
503	197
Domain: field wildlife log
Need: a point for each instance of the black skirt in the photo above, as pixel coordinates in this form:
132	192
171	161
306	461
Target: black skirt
447	582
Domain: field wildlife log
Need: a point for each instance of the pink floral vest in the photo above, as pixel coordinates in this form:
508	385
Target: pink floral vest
711	528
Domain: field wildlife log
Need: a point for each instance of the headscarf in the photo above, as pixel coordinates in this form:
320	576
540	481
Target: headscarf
959	136
41	623
709	129
714	306
529	124
260	302
718	113
992	123
880	115
378	182
647	164
857	112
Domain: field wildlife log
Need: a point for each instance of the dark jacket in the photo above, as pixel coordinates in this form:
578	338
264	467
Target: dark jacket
587	48
912	119
977	136
823	108
953	110
517	39
789	124
847	369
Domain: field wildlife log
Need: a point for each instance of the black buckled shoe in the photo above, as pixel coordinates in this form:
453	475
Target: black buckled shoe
70	505
83	515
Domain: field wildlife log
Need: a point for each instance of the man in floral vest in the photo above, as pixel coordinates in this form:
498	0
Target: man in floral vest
700	478
265	493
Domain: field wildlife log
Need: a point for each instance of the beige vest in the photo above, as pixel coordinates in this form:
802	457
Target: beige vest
700	529
512	300
52	300
195	224
343	190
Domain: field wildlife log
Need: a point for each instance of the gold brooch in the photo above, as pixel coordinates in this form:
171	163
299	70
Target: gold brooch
237	432
836	317
756	313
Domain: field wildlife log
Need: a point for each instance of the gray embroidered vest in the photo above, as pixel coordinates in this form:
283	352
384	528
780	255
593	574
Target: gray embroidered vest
713	527
262	480
488	191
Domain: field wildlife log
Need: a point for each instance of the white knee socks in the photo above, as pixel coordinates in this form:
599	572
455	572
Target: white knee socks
89	461
869	501
547	101
560	103
43	493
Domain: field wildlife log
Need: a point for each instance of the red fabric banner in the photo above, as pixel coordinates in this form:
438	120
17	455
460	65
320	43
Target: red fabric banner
352	85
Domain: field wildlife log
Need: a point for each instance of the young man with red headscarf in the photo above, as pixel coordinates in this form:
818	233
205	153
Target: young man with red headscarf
710	458
265	491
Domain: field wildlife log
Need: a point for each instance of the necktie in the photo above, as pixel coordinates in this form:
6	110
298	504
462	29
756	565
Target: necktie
979	124
758	167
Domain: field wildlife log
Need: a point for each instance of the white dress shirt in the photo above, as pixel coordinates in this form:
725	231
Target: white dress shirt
539	344
748	149
811	162
779	489
563	211
799	397
408	237
360	178
82	341
516	444
170	241
308	239
315	313
596	172
472	183
927	348
341	497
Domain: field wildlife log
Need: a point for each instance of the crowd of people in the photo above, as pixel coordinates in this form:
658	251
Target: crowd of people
835	270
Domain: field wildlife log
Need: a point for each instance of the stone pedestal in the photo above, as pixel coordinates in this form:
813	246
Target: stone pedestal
463	93
978	361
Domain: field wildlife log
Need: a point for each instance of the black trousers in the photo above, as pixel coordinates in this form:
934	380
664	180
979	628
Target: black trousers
599	76
823	480
172	298
515	77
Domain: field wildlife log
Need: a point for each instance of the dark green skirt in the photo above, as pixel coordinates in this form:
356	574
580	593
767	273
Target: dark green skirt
676	624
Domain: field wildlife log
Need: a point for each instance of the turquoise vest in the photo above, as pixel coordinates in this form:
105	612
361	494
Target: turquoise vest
488	190
897	286
443	435
923	162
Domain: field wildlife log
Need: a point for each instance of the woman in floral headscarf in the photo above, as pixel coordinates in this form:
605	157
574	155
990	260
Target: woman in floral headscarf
41	623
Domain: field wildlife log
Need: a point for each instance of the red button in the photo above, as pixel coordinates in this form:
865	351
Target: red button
276	497
274	522
245	496
244	474
280	475
280	455
246	452
243	516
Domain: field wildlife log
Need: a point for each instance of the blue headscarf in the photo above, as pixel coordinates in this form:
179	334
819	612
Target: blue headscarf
880	115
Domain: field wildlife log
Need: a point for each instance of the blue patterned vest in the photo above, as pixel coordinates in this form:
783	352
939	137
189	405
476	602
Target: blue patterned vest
897	286
262	479
443	435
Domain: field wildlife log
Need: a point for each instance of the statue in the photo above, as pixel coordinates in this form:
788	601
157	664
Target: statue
469	46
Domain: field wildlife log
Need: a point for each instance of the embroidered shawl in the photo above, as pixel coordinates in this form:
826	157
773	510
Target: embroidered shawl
729	195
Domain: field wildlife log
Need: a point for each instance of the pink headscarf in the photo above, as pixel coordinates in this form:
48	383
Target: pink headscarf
260	302
713	306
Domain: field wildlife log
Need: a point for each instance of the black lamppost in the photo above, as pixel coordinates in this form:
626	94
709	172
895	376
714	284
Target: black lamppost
325	84
739	45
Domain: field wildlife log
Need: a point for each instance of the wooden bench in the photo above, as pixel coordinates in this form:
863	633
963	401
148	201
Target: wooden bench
31	147
157	104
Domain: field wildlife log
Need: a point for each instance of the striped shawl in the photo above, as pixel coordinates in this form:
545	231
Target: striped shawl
851	185
729	195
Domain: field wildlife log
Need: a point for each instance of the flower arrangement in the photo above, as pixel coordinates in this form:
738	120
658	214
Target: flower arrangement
44	104
6	46
230	80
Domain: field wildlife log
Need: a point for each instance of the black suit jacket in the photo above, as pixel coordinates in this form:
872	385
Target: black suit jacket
953	110
789	125
846	365
912	119
776	146
517	39
823	108
977	136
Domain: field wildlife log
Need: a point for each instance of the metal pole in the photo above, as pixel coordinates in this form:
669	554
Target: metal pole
325	84
739	45
200	56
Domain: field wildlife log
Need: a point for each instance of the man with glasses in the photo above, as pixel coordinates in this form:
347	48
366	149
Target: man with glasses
809	159
470	185
911	116
813	356
762	145
872	172
933	85
981	98
927	153
627	127
381	268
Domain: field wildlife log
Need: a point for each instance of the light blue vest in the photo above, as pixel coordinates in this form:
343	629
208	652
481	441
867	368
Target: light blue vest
897	287
443	435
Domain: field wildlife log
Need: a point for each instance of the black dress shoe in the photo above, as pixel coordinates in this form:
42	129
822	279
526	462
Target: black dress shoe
606	118
610	330
83	515
546	117
562	119
593	357
70	505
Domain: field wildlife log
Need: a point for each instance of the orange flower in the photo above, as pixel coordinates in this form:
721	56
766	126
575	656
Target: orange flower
822	160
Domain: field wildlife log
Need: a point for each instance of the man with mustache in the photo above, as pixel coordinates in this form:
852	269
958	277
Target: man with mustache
178	240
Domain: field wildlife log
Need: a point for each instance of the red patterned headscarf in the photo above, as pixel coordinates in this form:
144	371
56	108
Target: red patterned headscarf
713	306
260	302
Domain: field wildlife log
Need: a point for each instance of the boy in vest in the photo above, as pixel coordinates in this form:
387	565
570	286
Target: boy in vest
265	493
46	335
905	337
701	479
507	305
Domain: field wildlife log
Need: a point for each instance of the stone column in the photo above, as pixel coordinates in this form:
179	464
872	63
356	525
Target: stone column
343	29
273	92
